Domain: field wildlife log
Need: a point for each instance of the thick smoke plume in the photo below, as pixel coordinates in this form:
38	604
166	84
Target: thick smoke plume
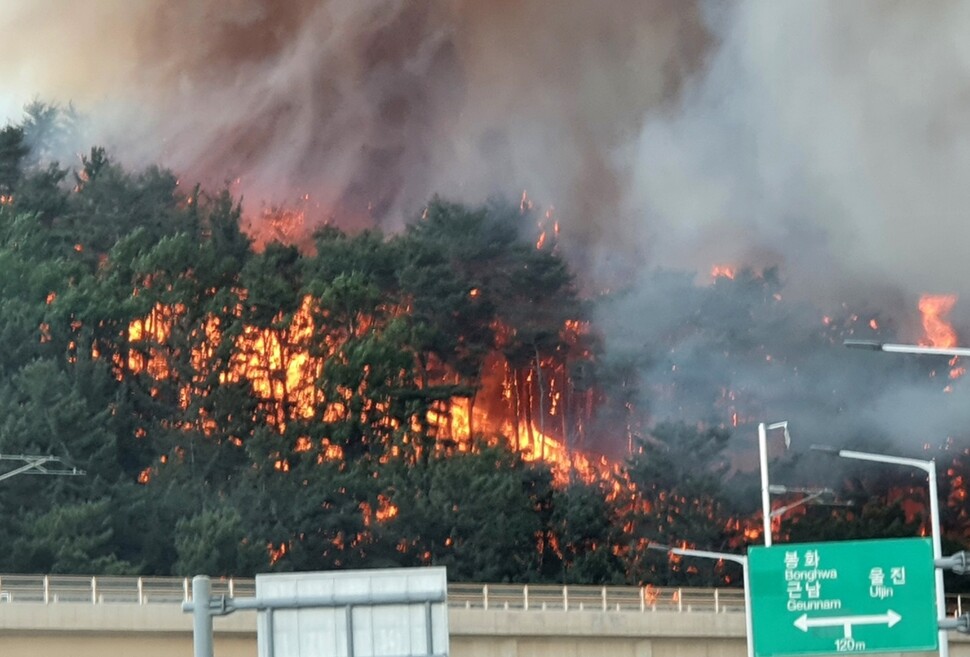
827	138
829	135
368	107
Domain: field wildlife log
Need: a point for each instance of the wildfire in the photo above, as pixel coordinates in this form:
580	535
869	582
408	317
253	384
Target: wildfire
937	331
531	442
277	364
722	271
548	229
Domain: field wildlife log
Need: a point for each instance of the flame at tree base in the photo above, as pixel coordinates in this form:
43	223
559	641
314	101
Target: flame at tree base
277	366
532	443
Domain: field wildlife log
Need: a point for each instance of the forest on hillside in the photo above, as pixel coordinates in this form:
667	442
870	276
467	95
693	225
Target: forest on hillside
438	396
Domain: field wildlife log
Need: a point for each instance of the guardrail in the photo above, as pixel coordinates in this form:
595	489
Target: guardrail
103	589
74	589
107	589
539	597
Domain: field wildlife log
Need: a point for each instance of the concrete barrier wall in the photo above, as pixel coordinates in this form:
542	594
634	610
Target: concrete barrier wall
595	634
37	630
72	630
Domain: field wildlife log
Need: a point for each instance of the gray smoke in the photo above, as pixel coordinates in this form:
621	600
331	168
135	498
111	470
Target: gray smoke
828	138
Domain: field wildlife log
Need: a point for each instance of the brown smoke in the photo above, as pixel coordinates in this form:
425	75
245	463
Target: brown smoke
367	106
828	138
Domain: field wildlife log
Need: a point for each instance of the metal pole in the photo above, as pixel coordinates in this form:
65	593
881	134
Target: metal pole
201	618
765	501
931	470
736	558
748	627
937	554
929	467
875	345
349	619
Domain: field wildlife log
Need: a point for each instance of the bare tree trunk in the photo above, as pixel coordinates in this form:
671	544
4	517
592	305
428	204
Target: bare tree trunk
564	413
471	408
542	414
527	408
516	402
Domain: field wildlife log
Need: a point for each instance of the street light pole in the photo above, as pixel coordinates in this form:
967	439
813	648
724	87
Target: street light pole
875	345
929	467
726	556
763	457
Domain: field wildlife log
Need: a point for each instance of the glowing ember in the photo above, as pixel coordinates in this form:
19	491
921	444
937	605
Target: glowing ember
385	509
276	552
722	271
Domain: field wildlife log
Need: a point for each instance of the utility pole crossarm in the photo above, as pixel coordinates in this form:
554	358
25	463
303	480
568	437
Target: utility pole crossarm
35	464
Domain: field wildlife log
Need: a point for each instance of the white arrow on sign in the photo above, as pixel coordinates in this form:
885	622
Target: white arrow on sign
890	618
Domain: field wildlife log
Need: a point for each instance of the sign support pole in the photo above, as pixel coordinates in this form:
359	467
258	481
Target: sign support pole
929	467
201	616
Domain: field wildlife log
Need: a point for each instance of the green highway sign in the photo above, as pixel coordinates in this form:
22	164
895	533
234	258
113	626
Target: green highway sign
843	597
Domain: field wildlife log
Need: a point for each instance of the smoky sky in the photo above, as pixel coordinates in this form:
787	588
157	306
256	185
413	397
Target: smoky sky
369	107
829	139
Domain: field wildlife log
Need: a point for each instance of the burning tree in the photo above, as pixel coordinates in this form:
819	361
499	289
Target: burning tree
677	478
222	375
365	398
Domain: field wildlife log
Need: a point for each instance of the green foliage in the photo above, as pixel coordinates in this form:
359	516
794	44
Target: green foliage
588	535
138	335
679	476
13	150
872	520
71	538
474	513
214	542
50	131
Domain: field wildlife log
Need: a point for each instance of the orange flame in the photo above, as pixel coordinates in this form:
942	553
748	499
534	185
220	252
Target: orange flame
722	271
277	364
937	331
533	444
